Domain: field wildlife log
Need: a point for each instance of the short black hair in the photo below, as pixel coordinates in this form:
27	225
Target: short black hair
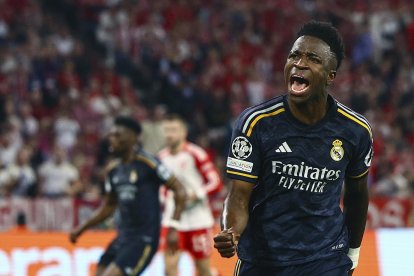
129	123
176	117
326	32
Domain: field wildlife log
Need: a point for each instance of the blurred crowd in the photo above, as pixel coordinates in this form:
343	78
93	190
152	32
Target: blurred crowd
68	67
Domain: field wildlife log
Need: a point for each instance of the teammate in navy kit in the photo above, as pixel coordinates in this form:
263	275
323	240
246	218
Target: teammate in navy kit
288	161
132	186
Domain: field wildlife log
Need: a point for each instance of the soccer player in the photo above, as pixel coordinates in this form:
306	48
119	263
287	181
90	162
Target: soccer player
132	186
288	160
194	169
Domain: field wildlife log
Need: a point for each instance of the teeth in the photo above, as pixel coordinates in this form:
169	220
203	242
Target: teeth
298	83
298	77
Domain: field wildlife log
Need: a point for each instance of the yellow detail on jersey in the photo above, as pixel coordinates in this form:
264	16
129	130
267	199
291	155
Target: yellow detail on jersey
249	132
356	120
141	261
358	176
242	174
147	161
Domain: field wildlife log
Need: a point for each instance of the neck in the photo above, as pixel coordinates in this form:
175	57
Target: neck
129	155
178	147
309	112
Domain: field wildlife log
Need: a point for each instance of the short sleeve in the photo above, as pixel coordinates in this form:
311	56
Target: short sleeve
243	160
362	157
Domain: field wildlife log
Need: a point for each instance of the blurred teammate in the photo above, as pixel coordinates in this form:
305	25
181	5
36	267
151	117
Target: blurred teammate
192	166
132	185
288	160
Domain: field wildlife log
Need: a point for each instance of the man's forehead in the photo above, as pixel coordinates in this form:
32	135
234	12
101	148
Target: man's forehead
311	44
174	123
118	129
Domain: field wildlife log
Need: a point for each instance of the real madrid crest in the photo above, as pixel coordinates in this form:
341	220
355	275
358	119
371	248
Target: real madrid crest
133	176
337	151
241	147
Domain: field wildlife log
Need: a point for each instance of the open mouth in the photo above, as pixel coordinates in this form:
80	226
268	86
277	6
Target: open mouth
298	83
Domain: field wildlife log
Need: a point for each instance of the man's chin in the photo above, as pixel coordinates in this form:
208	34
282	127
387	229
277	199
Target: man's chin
299	97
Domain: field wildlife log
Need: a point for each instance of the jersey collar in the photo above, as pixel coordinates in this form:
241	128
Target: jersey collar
332	106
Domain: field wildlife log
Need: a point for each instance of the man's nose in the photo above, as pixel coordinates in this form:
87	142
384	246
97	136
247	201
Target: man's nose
301	62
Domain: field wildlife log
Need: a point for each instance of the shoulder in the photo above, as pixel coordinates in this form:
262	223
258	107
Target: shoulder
355	121
147	158
252	115
196	151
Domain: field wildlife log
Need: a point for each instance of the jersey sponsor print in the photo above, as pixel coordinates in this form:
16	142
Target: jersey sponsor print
297	172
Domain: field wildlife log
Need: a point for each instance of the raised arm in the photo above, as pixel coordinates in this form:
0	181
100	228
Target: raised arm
355	208
106	209
234	217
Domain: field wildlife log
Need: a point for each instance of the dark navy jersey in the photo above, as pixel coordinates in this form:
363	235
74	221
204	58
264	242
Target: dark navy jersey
297	171
136	188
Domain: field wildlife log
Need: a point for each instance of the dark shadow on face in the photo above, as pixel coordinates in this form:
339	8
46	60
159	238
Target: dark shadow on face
121	140
309	68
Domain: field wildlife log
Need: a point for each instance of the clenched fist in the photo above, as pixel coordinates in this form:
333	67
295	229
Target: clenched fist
226	242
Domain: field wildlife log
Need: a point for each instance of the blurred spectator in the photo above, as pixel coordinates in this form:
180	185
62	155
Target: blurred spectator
63	41
58	177
66	129
29	124
101	100
65	75
21	176
10	143
152	137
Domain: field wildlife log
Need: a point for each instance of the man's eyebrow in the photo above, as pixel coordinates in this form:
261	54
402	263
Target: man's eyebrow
313	54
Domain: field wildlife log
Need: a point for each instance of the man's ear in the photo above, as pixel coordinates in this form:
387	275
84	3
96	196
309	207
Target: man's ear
331	77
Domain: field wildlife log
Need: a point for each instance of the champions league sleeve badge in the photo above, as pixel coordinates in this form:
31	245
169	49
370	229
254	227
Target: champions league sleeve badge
337	151
241	147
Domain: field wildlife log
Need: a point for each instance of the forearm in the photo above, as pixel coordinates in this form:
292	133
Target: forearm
98	216
355	209
179	201
235	212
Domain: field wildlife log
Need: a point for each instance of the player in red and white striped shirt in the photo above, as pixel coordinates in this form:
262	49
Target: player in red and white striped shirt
194	169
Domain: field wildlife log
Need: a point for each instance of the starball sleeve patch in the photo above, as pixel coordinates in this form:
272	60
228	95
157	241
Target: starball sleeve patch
241	147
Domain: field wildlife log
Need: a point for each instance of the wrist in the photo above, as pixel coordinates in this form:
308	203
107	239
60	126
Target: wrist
353	254
174	224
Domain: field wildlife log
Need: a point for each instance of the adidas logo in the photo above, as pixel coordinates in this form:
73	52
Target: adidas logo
284	147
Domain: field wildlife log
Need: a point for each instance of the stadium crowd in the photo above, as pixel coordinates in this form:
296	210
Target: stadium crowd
68	67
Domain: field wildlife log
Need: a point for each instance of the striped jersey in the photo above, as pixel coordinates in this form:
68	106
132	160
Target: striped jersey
136	187
194	169
297	171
